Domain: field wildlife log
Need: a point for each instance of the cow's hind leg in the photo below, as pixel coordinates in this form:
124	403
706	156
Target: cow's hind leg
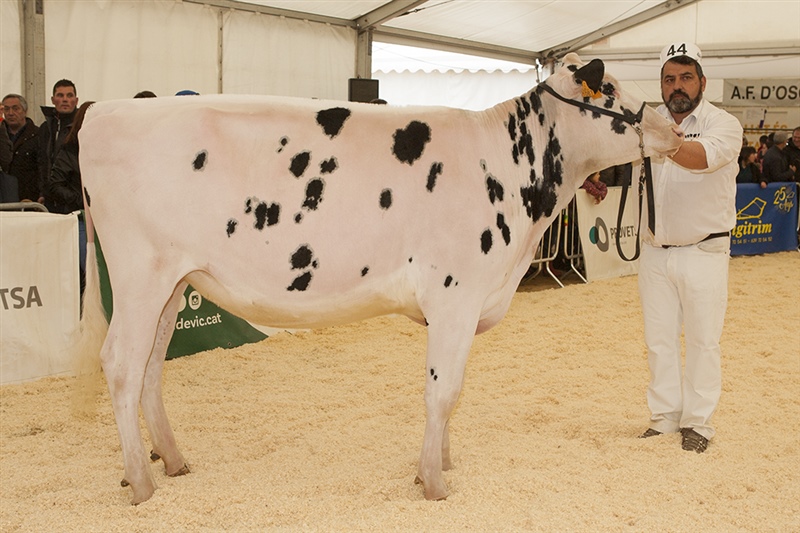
125	356
449	343
163	439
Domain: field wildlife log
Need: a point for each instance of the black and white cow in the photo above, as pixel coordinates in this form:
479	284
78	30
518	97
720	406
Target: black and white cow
299	213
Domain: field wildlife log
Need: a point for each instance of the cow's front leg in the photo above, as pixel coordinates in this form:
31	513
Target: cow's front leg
448	348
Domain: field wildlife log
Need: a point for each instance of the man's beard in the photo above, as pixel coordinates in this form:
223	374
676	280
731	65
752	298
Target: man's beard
679	102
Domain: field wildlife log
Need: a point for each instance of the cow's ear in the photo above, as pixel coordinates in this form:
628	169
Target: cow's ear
592	74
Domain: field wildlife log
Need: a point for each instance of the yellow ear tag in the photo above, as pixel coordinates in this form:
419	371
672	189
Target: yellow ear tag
587	92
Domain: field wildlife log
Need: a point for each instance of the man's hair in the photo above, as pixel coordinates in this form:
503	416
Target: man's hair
64	83
684	60
22	101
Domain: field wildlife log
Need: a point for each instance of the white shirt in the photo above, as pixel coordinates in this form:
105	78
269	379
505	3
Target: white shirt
691	204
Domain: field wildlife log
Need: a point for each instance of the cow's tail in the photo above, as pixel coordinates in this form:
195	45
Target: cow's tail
93	324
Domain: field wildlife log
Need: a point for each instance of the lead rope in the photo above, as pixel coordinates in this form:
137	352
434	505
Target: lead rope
645	181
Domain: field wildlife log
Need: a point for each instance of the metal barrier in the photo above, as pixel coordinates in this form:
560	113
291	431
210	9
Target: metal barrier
563	234
23	206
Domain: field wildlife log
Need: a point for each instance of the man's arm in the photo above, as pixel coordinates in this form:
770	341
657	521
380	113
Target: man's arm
691	155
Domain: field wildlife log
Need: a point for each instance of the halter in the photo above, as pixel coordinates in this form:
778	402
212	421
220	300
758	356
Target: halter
645	173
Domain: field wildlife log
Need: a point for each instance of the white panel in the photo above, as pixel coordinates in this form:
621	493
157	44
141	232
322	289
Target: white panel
264	54
10	48
115	49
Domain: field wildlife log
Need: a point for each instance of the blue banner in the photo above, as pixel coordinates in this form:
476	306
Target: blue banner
766	219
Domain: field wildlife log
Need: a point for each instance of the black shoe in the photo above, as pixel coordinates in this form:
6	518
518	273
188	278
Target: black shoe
649	433
693	441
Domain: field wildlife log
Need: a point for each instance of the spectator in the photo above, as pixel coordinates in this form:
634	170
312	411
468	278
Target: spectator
764	143
748	168
683	266
617	175
793	152
65	191
596	188
776	167
53	131
5	150
24	146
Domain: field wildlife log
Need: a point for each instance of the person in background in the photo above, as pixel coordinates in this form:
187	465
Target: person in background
776	166
53	131
9	190
683	266
792	151
5	150
24	136
764	143
748	168
64	186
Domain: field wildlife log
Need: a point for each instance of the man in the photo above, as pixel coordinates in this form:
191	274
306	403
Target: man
776	165
793	152
24	146
53	131
683	267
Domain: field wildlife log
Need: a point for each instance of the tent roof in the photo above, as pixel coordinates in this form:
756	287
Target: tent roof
527	31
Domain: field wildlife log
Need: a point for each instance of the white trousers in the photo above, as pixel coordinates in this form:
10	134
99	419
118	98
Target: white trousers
687	287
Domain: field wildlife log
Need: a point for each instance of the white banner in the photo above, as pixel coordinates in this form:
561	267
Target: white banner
780	92
39	294
597	224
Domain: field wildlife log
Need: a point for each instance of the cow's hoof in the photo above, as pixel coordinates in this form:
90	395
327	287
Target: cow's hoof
124	483
141	496
433	494
180	472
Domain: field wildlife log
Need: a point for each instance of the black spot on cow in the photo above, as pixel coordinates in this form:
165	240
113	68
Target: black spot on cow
302	257
314	190
231	226
267	215
410	259
495	189
536	102
88	198
617	125
436	170
552	164
299	163
486	240
448	281
298	218
504	229
283	142
364	271
572	68
433	371
328	166
300	283
512	127
525	143
409	143
332	120
200	160
248	205
386	198
608	89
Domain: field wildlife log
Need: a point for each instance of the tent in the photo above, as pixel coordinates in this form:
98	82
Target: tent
113	49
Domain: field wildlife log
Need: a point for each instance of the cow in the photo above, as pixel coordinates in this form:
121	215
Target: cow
300	213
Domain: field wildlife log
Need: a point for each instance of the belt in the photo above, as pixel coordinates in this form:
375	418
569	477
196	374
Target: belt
710	236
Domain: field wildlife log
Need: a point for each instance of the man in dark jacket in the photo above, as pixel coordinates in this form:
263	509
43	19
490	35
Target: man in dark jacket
776	167
793	152
54	129
23	134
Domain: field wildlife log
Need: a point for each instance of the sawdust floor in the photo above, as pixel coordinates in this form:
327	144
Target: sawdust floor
321	430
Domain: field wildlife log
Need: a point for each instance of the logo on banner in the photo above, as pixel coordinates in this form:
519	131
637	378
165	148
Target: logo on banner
784	199
600	236
194	301
750	217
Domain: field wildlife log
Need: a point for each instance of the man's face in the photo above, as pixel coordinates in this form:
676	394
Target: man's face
65	100
681	87
13	113
796	138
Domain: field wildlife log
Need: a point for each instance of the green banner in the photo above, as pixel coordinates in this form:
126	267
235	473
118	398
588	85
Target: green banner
201	325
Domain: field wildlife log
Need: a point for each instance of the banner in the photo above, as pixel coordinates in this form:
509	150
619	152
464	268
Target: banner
766	219
201	325
39	294
598	225
780	92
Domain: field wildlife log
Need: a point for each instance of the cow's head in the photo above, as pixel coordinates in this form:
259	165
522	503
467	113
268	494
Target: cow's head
606	139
